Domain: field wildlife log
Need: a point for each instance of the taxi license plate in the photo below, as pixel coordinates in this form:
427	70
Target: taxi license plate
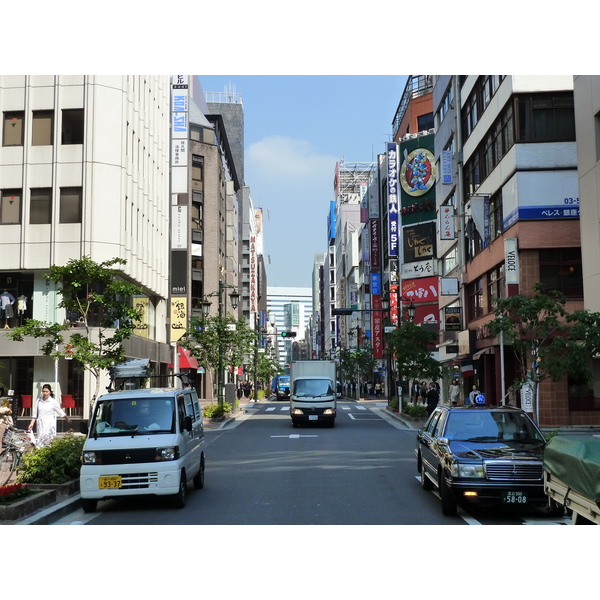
514	497
112	482
313	417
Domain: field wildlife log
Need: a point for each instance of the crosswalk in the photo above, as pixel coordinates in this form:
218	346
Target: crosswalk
349	407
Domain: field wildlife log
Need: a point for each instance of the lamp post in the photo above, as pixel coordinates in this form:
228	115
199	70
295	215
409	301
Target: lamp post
206	304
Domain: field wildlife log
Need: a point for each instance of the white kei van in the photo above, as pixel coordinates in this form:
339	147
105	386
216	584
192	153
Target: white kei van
143	442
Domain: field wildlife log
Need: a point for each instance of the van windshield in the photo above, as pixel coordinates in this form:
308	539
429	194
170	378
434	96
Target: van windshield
139	416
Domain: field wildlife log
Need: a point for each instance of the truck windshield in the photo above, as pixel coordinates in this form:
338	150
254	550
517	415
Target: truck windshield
312	387
140	416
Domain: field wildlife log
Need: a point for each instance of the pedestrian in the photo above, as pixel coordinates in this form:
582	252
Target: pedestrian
473	394
423	392
432	397
44	416
454	392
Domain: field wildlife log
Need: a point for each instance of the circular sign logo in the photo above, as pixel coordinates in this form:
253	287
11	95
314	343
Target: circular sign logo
480	399
417	174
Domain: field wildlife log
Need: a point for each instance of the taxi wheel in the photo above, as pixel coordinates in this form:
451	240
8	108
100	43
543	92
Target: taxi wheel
448	501
180	497
426	483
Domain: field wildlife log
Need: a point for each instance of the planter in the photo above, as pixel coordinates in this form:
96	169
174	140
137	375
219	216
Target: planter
45	495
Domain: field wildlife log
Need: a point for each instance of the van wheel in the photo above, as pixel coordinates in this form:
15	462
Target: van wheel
179	498
198	481
89	506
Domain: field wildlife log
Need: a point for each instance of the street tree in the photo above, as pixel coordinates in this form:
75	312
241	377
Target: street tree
356	364
216	341
411	347
100	316
547	341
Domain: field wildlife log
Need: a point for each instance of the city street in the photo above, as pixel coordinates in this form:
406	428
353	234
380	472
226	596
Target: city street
261	471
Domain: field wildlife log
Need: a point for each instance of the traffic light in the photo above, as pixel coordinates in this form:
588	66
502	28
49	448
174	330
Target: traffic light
287	334
341	311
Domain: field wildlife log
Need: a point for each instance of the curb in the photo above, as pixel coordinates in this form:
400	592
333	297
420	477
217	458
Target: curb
52	513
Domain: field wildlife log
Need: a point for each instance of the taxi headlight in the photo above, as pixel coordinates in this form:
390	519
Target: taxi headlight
467	470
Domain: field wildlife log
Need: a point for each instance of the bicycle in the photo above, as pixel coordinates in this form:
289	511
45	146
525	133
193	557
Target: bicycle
16	443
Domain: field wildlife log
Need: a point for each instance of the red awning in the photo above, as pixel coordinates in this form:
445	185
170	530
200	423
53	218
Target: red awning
186	360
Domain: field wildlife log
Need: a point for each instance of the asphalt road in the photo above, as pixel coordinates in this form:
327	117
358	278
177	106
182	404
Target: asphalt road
261	471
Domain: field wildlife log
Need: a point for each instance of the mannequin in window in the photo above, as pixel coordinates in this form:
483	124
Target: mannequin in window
6	302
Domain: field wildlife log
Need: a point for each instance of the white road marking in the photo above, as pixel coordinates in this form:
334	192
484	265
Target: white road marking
293	436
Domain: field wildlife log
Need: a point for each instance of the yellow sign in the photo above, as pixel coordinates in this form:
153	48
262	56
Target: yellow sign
141	326
178	318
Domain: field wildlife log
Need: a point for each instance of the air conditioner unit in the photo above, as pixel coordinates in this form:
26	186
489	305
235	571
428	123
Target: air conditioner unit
432	130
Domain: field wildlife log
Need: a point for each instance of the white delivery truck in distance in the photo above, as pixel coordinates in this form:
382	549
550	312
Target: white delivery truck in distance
313	397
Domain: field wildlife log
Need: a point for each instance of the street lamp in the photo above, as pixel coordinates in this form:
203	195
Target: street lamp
206	304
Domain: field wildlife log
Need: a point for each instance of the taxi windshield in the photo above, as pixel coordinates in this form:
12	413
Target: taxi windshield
484	426
127	416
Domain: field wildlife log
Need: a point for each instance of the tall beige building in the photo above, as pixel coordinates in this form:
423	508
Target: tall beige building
84	171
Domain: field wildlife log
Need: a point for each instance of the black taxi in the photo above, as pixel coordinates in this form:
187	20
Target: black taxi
482	454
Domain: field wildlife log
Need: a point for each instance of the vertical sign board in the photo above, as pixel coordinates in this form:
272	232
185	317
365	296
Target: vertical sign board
179	135
447	231
447	167
141	303
364	202
511	266
393	198
178	318
377	315
253	275
375	245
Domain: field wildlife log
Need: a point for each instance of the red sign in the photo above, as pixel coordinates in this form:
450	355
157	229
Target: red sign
425	289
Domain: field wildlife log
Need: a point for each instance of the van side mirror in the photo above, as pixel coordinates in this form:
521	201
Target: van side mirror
187	423
83	427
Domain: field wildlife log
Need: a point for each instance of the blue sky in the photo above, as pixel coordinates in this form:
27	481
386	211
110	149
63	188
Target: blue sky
296	128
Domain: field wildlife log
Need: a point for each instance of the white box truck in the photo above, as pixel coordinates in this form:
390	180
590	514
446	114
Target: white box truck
313	397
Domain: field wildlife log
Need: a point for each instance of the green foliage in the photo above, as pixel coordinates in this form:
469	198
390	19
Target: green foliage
410	344
356	364
417	411
548	342
393	402
56	463
95	296
214	411
216	338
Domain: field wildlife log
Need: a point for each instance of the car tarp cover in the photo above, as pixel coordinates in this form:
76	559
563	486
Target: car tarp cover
575	460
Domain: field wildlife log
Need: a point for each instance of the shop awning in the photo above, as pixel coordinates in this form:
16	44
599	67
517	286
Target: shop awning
186	360
480	353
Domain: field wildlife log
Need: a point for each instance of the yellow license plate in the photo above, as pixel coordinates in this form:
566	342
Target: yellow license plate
112	482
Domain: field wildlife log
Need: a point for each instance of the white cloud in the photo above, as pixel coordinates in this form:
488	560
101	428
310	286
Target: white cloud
283	157
287	177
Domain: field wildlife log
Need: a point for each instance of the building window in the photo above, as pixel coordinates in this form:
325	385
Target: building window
72	126
560	269
70	205
496	286
475	299
40	205
12	128
10	206
496	220
42	129
450	261
545	117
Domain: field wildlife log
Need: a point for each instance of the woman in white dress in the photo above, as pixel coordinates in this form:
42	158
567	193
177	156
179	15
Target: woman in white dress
44	415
